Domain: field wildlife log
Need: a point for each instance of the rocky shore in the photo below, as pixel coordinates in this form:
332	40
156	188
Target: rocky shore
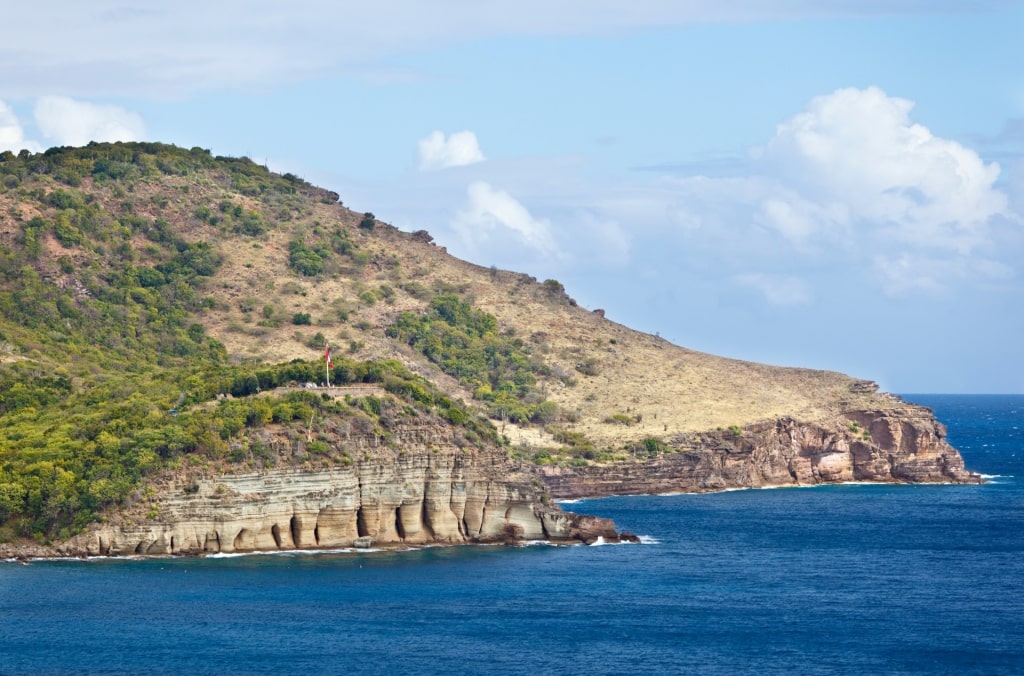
420	489
423	488
899	445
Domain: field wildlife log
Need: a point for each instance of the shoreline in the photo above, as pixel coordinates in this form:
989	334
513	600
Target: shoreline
27	553
982	480
624	538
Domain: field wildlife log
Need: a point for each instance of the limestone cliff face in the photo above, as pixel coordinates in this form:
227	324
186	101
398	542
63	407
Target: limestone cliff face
904	444
422	489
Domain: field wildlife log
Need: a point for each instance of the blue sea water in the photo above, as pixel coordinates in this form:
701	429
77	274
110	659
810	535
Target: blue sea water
839	579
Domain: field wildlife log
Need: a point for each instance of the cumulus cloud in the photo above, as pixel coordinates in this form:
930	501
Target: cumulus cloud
458	150
12	135
798	219
493	216
64	121
850	184
857	154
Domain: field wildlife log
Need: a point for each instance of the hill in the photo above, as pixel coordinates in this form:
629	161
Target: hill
143	285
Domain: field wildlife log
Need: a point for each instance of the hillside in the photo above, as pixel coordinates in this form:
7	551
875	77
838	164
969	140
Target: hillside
142	282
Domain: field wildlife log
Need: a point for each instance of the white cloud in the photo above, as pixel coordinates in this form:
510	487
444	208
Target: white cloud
857	154
458	150
64	121
851	198
850	189
12	135
495	218
798	219
777	289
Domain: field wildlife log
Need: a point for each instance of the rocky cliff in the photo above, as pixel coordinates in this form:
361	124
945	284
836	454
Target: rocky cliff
424	486
893	445
419	488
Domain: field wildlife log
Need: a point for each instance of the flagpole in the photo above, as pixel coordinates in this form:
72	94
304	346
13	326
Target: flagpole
327	362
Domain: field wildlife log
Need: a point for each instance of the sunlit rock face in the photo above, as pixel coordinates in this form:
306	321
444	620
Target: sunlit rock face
424	489
893	445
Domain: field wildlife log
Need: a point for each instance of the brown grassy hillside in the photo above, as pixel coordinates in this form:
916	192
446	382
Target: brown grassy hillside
599	369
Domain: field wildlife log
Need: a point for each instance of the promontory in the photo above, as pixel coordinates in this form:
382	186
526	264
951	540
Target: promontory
198	355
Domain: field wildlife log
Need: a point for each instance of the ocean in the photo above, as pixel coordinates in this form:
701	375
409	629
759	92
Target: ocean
837	579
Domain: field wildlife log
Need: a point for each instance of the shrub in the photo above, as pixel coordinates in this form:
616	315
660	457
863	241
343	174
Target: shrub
588	367
63	199
620	419
544	412
252	224
553	287
651	446
572	439
303	260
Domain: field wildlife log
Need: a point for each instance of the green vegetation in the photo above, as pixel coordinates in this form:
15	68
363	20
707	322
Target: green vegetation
107	375
68	452
622	419
577	450
114	305
466	343
650	447
129	163
323	253
308	262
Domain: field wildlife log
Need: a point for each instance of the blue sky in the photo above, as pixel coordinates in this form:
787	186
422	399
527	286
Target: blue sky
834	185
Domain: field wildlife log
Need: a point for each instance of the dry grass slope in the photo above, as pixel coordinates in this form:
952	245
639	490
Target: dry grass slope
671	388
666	389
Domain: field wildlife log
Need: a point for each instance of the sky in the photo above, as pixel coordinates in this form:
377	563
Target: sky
827	184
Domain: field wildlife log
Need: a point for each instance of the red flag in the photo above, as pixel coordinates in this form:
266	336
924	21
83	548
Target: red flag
327	356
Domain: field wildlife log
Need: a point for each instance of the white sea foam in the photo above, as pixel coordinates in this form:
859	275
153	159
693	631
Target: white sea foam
91	559
823	485
569	502
294	552
714	492
601	542
648	540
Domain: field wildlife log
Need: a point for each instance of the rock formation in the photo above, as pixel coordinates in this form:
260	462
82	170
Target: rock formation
425	487
897	445
422	490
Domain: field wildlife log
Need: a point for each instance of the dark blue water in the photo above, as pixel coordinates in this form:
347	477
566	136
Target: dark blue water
844	579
